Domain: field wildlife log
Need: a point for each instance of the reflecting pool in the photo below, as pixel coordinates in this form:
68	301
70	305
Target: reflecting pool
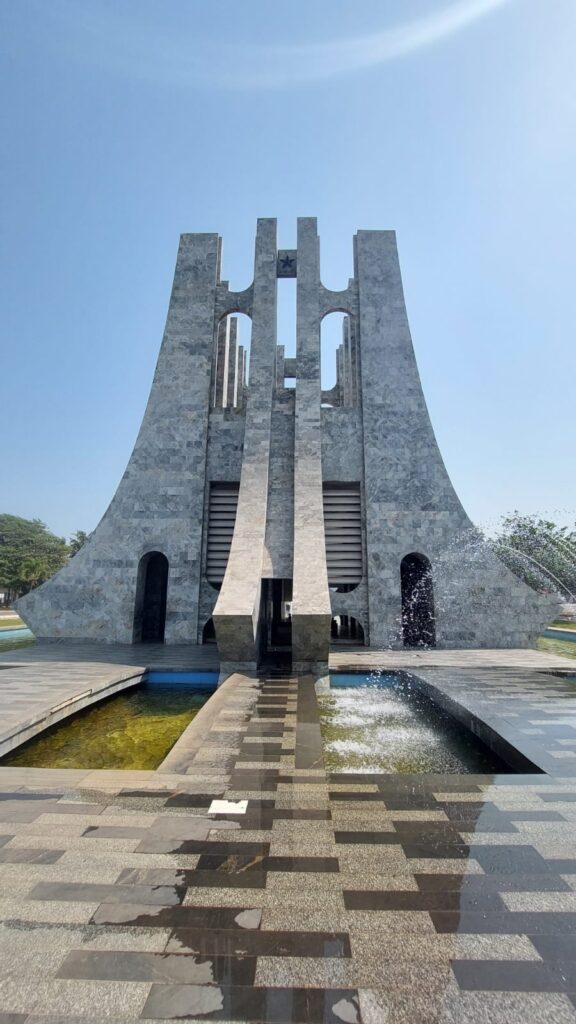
134	729
11	639
383	723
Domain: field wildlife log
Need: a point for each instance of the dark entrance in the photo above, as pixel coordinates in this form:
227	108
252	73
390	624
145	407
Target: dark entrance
418	623
345	629
276	622
150	605
209	632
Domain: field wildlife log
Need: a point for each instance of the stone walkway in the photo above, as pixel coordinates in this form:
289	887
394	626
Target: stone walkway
381	899
364	659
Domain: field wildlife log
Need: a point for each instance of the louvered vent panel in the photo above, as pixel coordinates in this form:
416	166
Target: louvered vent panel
221	520
343	532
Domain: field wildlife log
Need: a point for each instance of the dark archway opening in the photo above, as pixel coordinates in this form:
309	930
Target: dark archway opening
151	593
209	632
418	620
345	629
275	623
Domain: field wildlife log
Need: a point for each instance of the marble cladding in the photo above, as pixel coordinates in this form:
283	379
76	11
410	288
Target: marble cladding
280	446
311	612
237	610
280	514
411	504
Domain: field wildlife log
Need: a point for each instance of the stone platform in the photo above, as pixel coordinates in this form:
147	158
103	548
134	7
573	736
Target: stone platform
334	898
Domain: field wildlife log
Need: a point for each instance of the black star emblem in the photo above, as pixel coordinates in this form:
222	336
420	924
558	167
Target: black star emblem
287	262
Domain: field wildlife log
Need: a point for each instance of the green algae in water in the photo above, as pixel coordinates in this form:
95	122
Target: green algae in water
392	728
565	648
132	730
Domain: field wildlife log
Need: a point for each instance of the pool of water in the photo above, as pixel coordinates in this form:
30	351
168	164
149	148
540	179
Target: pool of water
565	648
11	639
134	729
385	724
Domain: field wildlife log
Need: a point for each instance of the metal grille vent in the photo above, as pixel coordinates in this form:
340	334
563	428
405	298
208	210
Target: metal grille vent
343	532
221	519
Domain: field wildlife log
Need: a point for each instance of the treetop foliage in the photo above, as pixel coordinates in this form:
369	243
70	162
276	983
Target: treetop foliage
30	554
540	552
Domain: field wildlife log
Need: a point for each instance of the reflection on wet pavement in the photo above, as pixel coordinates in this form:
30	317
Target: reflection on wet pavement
337	896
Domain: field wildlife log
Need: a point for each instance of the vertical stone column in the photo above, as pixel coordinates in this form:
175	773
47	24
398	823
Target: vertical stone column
311	613
340	374
240	378
221	367
237	610
280	350
350	361
231	383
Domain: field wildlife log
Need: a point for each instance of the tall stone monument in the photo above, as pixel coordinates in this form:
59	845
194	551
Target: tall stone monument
275	518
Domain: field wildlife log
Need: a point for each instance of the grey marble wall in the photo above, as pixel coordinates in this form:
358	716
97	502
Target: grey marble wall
236	615
278	549
280	446
311	612
411	505
343	462
223	465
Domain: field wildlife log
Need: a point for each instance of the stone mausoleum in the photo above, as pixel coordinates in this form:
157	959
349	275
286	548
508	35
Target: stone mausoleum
276	518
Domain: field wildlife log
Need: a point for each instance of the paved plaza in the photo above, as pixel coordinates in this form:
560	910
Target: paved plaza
126	896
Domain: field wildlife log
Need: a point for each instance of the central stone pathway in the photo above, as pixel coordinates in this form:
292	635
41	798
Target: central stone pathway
313	898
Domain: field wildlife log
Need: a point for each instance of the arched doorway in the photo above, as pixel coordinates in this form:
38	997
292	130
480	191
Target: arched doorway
345	629
150	604
418	623
209	633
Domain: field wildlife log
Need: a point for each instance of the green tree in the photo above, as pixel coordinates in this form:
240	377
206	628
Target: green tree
77	541
29	554
540	552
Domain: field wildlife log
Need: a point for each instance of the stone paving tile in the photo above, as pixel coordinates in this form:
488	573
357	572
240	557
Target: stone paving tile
84	892
305	972
316	1006
212	896
260	943
168	968
43	963
48	912
67	998
454	1007
381	899
26	936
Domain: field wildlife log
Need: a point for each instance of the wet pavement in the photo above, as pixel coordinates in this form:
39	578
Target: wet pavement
318	897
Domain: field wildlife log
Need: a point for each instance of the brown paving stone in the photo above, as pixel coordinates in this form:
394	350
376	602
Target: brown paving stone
86	892
274	1005
225	942
426	901
504	976
158	967
555	947
511	923
20	855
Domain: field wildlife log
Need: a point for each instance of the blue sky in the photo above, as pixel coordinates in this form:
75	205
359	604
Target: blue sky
126	122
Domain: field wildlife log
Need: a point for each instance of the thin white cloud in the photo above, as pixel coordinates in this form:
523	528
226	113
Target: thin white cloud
288	65
147	52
